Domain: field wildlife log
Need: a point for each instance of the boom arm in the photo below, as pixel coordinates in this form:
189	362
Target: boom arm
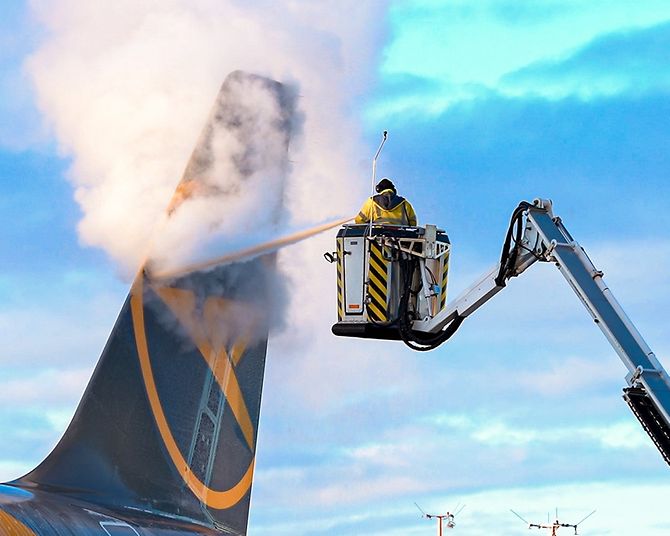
542	237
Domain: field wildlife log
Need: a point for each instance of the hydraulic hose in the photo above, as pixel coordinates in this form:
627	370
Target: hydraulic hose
510	254
421	342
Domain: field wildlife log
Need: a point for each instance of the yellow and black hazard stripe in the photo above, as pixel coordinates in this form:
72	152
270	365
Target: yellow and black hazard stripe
377	285
445	278
340	280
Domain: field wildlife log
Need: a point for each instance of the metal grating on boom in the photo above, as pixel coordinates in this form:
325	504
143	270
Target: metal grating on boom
650	418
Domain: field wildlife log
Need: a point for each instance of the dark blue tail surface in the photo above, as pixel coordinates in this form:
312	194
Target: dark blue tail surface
169	421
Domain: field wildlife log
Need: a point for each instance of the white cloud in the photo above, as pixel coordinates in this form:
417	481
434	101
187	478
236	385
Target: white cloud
10	469
385	454
626	435
361	490
67	325
618	506
46	388
567	376
459	51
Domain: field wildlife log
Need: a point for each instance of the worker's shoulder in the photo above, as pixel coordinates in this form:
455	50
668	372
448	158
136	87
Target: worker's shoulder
388	202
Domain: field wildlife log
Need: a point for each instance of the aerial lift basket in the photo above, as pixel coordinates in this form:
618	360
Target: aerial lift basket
376	265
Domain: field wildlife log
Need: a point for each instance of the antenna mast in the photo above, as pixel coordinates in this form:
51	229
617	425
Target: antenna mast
449	517
374	162
555	526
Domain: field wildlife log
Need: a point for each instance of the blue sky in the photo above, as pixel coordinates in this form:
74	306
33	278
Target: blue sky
487	103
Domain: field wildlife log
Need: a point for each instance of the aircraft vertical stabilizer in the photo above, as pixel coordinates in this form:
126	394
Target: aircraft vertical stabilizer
168	423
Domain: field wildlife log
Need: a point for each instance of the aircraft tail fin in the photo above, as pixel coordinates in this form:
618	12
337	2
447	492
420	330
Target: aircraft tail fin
168	423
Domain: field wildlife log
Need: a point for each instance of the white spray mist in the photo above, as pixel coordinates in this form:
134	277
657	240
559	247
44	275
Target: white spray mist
126	87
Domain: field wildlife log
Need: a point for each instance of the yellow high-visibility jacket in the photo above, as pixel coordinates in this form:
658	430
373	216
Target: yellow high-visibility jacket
389	208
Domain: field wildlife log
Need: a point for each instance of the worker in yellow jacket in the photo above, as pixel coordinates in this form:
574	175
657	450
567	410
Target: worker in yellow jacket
387	207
